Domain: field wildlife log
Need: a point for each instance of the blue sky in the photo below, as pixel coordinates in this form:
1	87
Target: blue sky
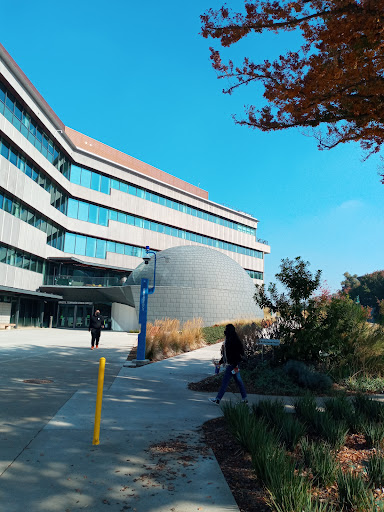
137	76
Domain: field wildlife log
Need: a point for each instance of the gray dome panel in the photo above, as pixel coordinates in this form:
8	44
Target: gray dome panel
194	281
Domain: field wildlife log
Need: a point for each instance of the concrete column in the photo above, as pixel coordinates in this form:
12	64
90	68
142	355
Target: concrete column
41	320
17	313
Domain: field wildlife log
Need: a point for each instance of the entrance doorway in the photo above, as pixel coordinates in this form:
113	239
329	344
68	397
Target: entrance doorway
74	316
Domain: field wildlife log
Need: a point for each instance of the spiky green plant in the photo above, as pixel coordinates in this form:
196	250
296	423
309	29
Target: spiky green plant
320	459
341	408
271	410
371	409
331	430
290	431
354	495
306	408
241	423
373	433
375	469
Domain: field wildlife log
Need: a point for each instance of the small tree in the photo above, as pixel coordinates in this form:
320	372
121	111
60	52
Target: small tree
298	310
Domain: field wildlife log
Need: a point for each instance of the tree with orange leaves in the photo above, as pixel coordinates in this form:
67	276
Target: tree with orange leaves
333	83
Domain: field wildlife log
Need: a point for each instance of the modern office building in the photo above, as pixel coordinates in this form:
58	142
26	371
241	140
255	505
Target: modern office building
76	216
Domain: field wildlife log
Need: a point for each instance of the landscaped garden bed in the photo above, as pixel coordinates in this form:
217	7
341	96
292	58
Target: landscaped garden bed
311	461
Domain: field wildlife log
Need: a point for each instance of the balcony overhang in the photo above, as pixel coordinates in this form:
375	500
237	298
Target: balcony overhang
120	294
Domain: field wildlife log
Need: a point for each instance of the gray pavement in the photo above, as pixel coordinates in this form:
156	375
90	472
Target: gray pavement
150	457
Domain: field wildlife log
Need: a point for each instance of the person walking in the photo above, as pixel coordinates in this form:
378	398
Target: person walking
95	325
232	353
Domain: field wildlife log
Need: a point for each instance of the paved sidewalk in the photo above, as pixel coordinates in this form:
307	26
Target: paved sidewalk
150	457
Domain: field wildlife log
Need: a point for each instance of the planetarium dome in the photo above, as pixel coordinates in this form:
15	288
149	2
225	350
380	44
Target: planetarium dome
196	282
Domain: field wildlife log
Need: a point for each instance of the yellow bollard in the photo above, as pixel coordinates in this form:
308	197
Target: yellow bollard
99	400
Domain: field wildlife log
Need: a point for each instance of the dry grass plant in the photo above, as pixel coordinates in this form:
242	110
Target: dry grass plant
168	338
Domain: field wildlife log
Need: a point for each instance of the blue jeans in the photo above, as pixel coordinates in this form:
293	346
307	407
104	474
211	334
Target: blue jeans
227	377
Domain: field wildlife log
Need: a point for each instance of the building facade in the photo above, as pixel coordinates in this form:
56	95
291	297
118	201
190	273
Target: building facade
76	216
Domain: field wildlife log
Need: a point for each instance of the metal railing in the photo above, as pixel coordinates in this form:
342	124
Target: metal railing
84	281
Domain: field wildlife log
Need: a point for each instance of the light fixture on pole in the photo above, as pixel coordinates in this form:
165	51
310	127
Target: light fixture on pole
144	292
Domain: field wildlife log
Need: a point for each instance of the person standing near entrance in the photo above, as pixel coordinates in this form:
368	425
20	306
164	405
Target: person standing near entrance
95	325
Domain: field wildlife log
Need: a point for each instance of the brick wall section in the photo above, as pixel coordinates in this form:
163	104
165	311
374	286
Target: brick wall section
98	148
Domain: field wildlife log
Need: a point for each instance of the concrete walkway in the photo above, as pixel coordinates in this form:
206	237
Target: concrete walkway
150	458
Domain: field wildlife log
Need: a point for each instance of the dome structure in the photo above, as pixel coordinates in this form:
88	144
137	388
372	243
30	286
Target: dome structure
196	282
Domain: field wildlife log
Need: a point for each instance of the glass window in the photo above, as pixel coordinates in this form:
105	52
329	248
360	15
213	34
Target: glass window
45	141
103	216
33	264
28	171
160	228
4	149
18	259
101	247
120	248
10	102
128	250
162	200
2	93
155	198
32	127
18	111
26	261
95	181
121	217
105	186
7	205
24	214
3	254
112	214
93	213
10	256
81	242
83	211
39	267
146	224
75	174
140	192
39	134
115	184
13	157
35	175
123	187
16	209
85	178
132	190
153	226
167	230
138	222
1	200
148	196
169	203
175	232
21	163
69	242
73	208
111	246
91	247
131	220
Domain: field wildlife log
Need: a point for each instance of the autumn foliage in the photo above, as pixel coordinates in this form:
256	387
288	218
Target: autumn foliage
333	83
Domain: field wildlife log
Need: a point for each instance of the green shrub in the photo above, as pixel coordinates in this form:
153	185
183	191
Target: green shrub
375	470
213	334
318	457
270	380
307	377
241	423
354	495
363	384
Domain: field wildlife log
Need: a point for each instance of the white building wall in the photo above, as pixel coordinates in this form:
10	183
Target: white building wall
123	318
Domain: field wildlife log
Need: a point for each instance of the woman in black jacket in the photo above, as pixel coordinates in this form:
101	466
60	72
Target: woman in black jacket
232	353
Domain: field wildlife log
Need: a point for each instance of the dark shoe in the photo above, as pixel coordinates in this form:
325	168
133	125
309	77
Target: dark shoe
214	401
244	401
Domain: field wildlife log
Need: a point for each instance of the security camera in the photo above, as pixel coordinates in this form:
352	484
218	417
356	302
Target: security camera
146	259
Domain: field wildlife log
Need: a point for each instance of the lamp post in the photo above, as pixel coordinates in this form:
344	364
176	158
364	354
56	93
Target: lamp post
144	292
